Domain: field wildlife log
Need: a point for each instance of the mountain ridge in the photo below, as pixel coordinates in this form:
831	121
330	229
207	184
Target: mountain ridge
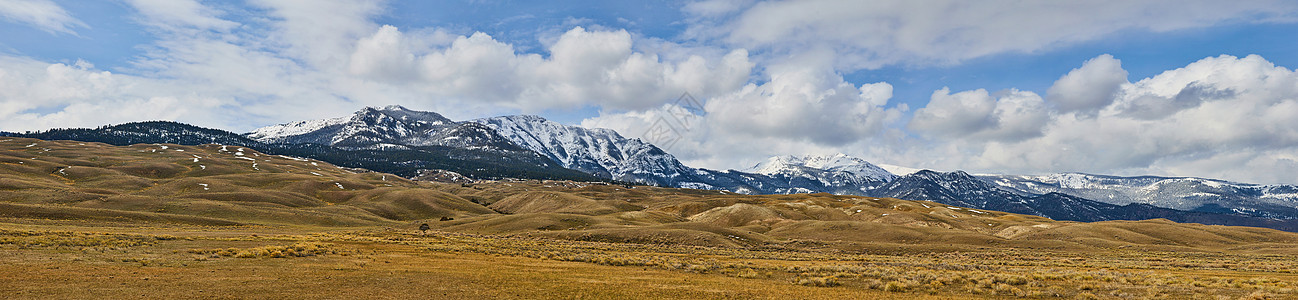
407	161
1181	193
401	141
392	125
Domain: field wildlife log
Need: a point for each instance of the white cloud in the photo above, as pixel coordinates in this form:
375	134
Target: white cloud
876	33
42	14
79	96
714	8
177	14
584	68
309	59
805	106
1220	117
198	70
320	33
1007	116
798	110
1090	87
385	56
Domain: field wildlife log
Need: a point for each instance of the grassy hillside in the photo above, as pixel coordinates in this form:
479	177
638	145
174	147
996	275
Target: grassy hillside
205	185
228	221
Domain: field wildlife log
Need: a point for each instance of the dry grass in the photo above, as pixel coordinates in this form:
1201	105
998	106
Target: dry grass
305	249
155	262
359	264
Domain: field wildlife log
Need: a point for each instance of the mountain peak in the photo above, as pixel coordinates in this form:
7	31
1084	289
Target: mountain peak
833	161
399	112
837	162
598	151
387	126
775	164
834	170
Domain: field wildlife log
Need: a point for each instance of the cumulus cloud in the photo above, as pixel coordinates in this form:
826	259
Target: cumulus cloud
797	110
1090	87
42	14
78	95
385	56
805	106
877	33
306	59
1007	116
1225	117
584	68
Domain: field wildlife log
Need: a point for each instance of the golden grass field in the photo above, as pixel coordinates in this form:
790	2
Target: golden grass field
89	220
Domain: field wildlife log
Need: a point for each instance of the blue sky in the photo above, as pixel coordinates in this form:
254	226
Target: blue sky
1188	88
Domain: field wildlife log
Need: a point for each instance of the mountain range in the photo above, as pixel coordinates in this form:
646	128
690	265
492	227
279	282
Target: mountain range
405	160
401	141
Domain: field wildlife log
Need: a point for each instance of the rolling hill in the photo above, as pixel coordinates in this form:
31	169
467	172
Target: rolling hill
220	185
420	144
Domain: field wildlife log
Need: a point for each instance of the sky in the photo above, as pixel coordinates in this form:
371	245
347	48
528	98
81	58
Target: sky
1171	88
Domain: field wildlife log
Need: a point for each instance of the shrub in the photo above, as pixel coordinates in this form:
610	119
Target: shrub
895	286
304	249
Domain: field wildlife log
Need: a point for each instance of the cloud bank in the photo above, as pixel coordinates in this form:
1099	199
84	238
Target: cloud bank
872	34
1221	117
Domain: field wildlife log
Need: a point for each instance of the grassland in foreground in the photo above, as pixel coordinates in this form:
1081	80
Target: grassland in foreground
48	261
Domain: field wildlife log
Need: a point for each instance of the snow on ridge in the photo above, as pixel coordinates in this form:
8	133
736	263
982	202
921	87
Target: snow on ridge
899	170
295	128
594	150
391	124
776	164
837	163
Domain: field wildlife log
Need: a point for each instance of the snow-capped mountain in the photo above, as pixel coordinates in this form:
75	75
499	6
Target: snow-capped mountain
404	161
1181	193
899	170
600	152
397	140
387	127
960	188
605	153
838	173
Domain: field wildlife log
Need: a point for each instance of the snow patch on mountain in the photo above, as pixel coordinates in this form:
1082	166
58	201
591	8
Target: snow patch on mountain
294	128
1181	193
813	166
838	173
598	151
899	170
384	128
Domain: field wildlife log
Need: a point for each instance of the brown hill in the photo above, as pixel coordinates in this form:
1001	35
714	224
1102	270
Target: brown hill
210	184
221	185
